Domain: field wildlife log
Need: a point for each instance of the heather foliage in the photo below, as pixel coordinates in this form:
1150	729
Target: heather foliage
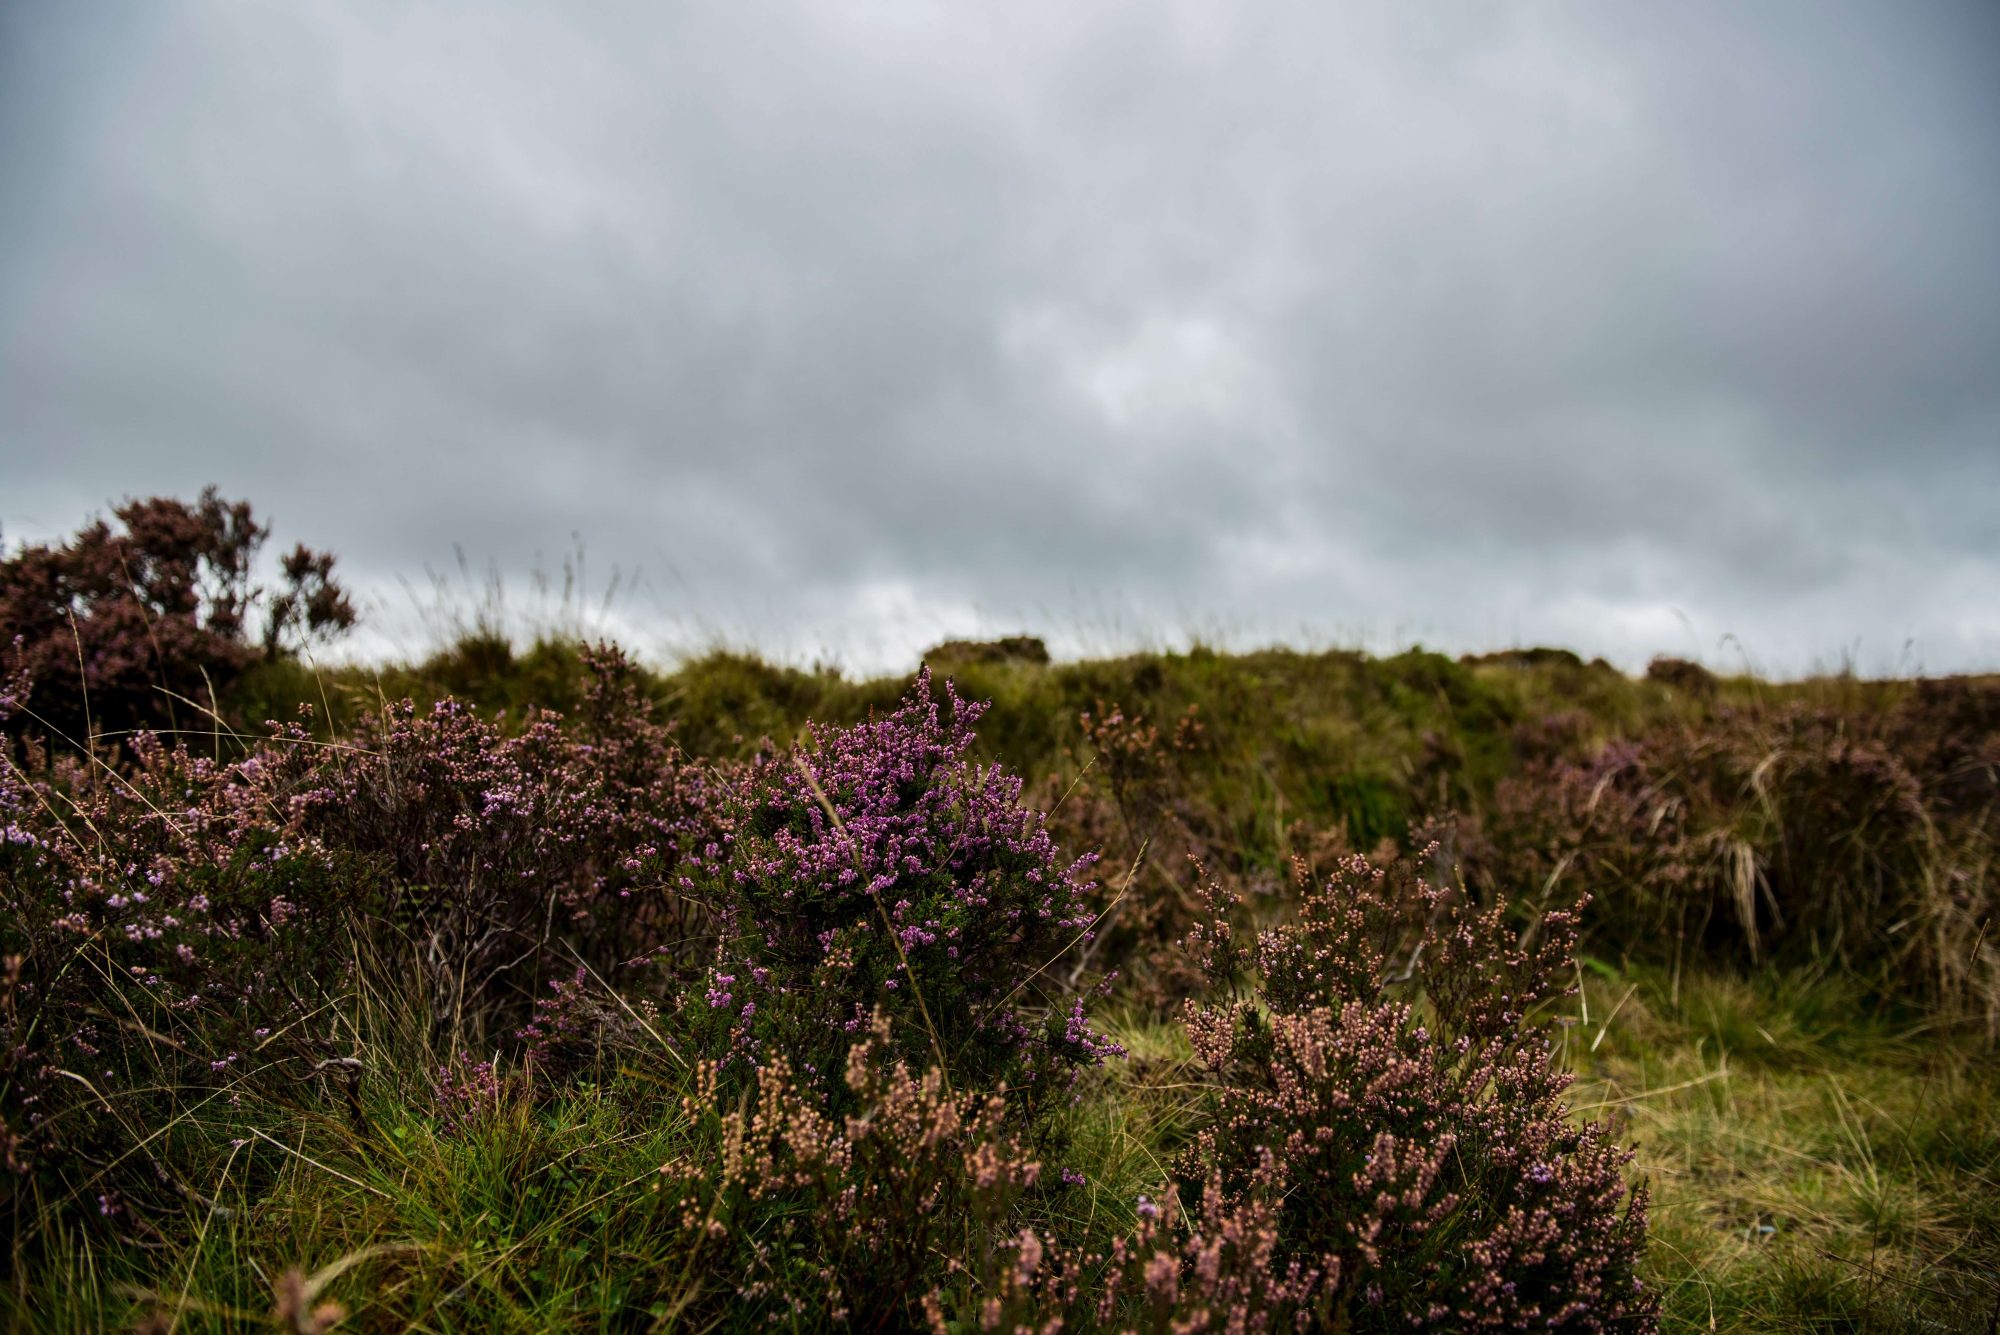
468	1093
163	948
495	844
1140	805
813	1214
1388	1147
179	927
1217	1268
880	867
1385	1079
1795	832
182	927
1220	1268
127	627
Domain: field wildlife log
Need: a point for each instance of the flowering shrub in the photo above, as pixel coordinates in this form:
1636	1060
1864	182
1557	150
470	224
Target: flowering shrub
811	1212
172	921
161	949
491	843
1387	1067
116	623
1388	1149
1219	1269
466	1092
1133	797
880	867
1228	1273
573	1024
1140	770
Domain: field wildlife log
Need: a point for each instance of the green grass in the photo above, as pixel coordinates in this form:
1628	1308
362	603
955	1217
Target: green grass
1816	1164
542	1220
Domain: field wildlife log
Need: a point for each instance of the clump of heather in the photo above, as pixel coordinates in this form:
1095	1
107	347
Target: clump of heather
1385	1056
1221	1268
809	1214
880	867
466	1092
495	843
183	931
1217	1268
121	626
575	1023
163	949
1863	836
1133	795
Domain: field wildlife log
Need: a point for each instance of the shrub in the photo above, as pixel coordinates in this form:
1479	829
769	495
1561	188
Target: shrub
1007	649
1859	835
495	844
810	1213
575	1024
1682	675
1229	1272
1217	1268
114	624
1140	804
879	867
173	922
164	953
1385	1082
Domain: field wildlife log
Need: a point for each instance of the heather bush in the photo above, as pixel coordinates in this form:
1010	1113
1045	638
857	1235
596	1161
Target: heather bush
1219	1267
579	1024
1384	1079
1858	835
810	1214
1229	1272
467	1093
179	926
1135	798
878	866
1141	768
1948	733
165	952
118	627
499	845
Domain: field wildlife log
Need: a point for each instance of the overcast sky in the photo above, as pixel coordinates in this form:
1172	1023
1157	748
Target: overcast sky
845	327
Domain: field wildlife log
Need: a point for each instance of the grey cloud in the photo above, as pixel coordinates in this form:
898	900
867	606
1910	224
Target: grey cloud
855	328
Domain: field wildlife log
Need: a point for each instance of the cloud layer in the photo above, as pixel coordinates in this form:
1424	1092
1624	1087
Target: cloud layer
1632	329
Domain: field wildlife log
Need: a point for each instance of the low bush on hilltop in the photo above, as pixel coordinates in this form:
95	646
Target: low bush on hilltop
143	625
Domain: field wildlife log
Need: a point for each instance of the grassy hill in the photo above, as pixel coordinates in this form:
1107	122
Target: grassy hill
1782	993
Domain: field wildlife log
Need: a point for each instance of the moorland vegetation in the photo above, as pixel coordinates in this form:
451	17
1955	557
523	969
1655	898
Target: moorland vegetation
537	988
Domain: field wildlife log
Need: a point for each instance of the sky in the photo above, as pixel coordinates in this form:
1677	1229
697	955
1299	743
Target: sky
837	329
